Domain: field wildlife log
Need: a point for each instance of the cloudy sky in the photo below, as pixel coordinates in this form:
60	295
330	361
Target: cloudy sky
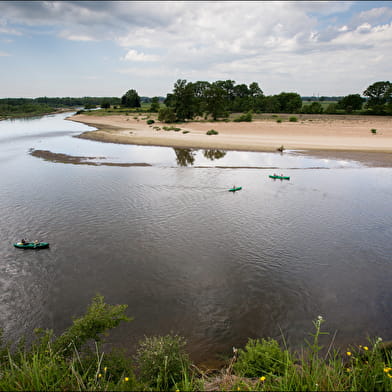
99	48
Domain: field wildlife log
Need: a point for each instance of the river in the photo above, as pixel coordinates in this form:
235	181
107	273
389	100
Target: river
182	252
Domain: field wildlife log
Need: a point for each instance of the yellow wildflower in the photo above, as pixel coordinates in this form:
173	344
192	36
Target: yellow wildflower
105	369
262	379
348	353
365	348
99	375
126	379
389	375
348	369
387	369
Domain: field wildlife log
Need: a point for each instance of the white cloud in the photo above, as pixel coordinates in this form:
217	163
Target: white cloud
4	30
134	55
281	43
75	37
374	15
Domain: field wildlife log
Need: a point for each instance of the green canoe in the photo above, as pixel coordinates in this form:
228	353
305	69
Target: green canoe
32	245
280	177
235	189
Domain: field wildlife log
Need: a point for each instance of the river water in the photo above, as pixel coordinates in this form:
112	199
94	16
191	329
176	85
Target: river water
182	252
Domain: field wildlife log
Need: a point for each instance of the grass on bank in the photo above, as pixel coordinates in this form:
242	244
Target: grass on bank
75	360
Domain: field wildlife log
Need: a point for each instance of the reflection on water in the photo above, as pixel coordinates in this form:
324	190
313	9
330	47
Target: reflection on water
184	156
187	258
187	156
214	154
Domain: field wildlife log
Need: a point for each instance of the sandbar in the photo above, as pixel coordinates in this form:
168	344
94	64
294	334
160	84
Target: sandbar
320	135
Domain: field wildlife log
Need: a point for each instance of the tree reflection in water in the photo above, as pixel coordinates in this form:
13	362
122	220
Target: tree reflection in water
214	154
184	156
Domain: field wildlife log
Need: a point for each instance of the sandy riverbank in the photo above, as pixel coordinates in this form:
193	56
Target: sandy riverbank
330	135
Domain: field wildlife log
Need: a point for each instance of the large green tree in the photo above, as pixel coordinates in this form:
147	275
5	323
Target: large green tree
351	102
199	91
289	102
183	100
256	96
131	99
154	104
215	101
379	94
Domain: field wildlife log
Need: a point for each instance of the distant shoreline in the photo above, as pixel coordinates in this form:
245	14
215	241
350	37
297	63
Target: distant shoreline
39	114
341	137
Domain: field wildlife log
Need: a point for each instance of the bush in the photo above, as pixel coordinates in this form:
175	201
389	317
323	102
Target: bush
100	318
293	119
185	132
62	363
212	132
162	361
150	122
260	358
332	108
313	108
373	131
279	120
167	115
171	128
105	105
244	117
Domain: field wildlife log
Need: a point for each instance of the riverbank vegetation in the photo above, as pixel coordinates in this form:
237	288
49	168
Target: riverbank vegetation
218	100
27	107
23	108
227	101
76	360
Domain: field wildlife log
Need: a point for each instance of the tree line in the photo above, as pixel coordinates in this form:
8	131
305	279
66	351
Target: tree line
220	98
14	107
58	102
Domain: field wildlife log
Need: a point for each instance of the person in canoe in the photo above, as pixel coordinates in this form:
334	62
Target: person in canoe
24	242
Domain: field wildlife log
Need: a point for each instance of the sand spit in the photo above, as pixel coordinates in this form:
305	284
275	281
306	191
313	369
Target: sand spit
77	160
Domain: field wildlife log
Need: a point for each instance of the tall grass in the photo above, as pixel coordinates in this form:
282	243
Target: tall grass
75	361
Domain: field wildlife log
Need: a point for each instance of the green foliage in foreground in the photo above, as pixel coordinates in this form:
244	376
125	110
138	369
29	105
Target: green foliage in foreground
260	358
73	362
162	361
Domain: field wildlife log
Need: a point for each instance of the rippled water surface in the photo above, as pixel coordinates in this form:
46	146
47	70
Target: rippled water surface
185	254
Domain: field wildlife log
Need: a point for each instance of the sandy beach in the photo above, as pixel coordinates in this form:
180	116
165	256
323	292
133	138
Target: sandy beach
327	135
